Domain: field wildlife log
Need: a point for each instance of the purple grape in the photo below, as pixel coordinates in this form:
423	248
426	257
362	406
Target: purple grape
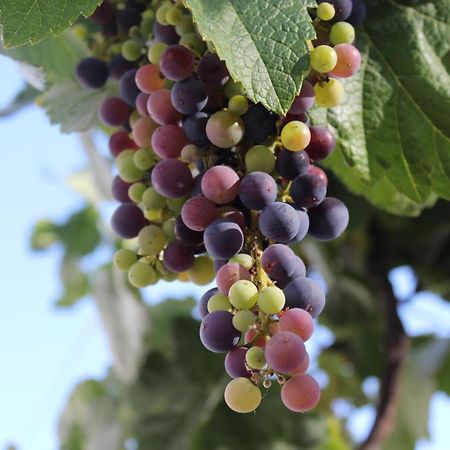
92	72
285	352
171	178
114	112
104	13
141	103
279	222
235	363
212	71
321	144
257	190
304	100
198	212
202	306
219	263
160	108
259	124
127	87
220	184
186	235
168	141
127	220
189	96
195	129
197	189
119	190
223	239
343	9
118	66
279	261
303	229
165	33
359	9
328	220
178	257
292	164
306	294
308	190
217	332
299	272
177	63
127	18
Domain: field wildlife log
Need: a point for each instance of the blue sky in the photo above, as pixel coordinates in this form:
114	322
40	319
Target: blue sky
45	351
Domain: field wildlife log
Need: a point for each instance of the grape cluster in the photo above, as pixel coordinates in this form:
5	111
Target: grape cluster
212	185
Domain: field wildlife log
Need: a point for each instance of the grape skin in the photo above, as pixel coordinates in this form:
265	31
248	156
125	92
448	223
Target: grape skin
292	164
308	190
279	221
223	239
217	332
114	112
300	393
92	72
257	190
177	63
202	306
189	96
225	129
228	274
242	396
235	363
220	184
285	352
306	294
167	141
171	178
328	220
178	257
298	321
198	212
161	109
278	261
127	220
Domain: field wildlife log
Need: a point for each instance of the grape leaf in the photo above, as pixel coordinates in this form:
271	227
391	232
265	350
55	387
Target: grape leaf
394	132
263	42
26	21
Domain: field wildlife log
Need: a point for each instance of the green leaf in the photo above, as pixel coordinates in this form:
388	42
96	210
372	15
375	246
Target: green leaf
24	98
75	282
263	42
32	20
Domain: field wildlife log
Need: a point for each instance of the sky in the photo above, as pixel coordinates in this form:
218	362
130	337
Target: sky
46	351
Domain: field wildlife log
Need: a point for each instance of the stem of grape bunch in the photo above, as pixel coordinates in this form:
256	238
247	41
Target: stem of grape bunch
214	186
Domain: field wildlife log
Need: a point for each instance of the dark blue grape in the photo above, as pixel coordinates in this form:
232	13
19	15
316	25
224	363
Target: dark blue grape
218	263
186	235
212	71
127	18
359	10
257	190
306	294
202	306
279	222
118	66
303	228
92	72
127	220
217	332
292	164
223	239
171	178
165	33
178	257
127	87
119	190
189	96
259	124
299	272
235	363
328	220
308	190
195	129
279	261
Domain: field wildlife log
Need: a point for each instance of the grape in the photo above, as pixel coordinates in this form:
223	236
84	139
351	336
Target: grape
160	108
141	103
235	363
255	358
299	272
203	302
304	366
228	274
143	130
259	124
243	294
120	141
306	294
328	220
218	302
161	13
151	240
292	164
243	320
303	228
285	352
295	136
220	184
300	393
195	129
342	33
128	18
349	61
177	63
342	8
271	300
233	214
232	87
178	257
152	199
171	178
168	141
358	14
119	190
144	159
322	143
212	71
190	154
192	41
141	275
278	261
165	33
189	96
127	170
223	239
238	104
252	337
325	11
225	129
329	93
218	263
304	100
127	220
175	204
124	259
131	50
136	191
308	190
242	396
279	222
202	271
155	51
217	332
92	72
323	58
118	66
149	78
257	190
243	259
174	15
186	235
297	321
114	112
104	13
198	212
260	158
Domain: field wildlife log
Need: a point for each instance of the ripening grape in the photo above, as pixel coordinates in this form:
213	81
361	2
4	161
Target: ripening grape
271	300
323	58
124	259
161	109
255	358
228	274
304	100
349	61
192	41
114	112
168	140
225	129
342	8
141	275
189	154
174	15
243	259
342	33
198	212
220	184
142	131
300	393
329	93
218	302
136	191
149	78
152	200
238	104
127	169
119	141
285	352
155	51
144	159
202	306
177	63
297	321
131	50
243	294
242	396
171	178
322	143
295	136
325	11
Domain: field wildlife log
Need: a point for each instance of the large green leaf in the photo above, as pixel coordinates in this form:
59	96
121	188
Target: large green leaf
263	42
26	21
394	132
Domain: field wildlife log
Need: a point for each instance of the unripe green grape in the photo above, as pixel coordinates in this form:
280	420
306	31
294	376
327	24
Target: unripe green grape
192	41
123	259
131	50
271	300
243	259
134	117
169	229
152	199
329	93
255	358
134	32
232	88
342	33
295	136
161	13
260	158
175	204
123	154
174	15
151	240
242	396
238	104
141	275
144	158
202	271
185	26
243	294
146	26
148	14
190	153
218	302
155	51
128	171
135	191
325	11
243	320
225	129
323	58
170	276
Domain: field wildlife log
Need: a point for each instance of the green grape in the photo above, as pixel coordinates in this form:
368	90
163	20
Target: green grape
131	50
325	11
122	155
329	93
243	294
146	26
174	15
134	117
152	199
135	191
271	300
148	14
232	88
342	33
323	58
243	320
161	13
175	204
185	26
169	229
155	51
124	259
190	153
170	276
260	158
238	104
295	136
225	129
144	158
243	259
151	240
242	396
192	41
255	358
128	171
218	302
141	275
134	32
202	271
